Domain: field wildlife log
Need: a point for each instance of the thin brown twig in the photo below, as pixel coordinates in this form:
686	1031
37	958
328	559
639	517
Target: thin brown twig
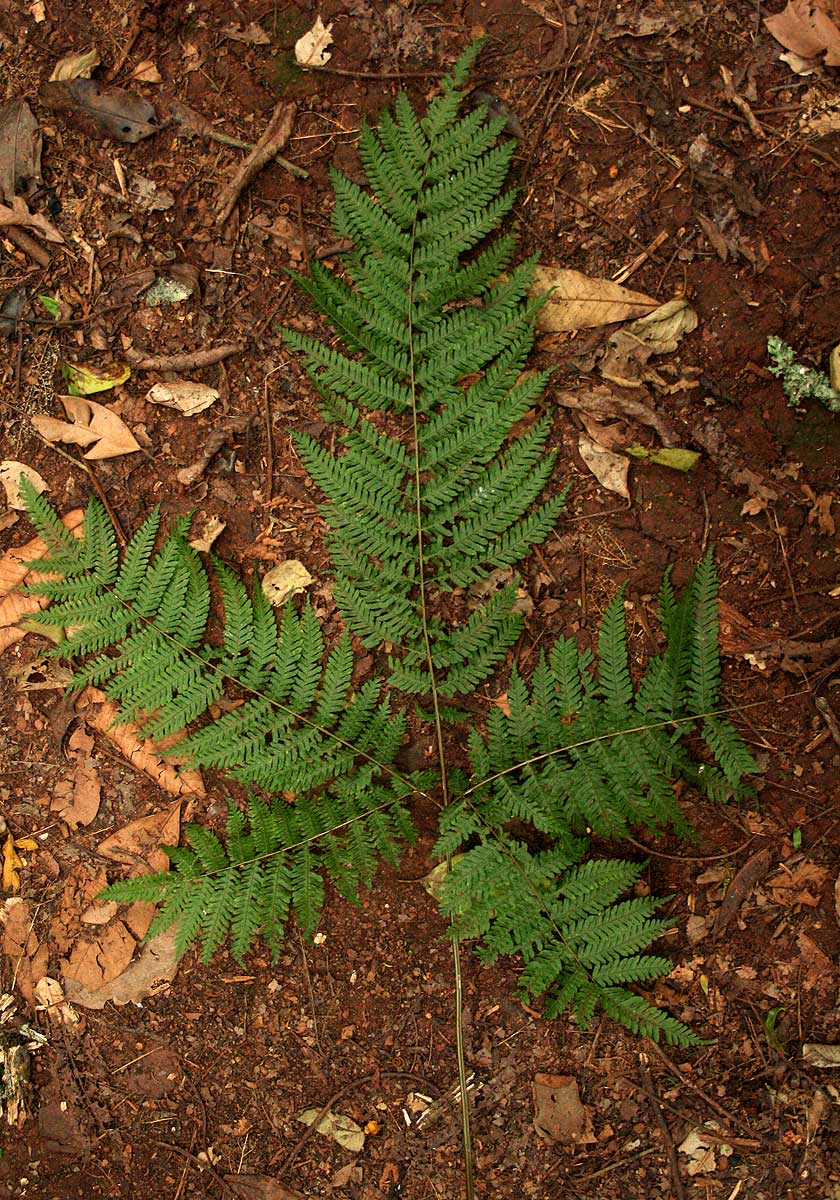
729	1117
673	1161
205	1167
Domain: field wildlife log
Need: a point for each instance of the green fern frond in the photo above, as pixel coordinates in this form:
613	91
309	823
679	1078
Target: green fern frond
438	341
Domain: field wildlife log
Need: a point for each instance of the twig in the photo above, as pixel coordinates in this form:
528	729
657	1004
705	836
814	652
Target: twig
729	1117
827	713
183	362
273	140
197	123
200	1163
29	246
625	233
740	103
791	584
673	1161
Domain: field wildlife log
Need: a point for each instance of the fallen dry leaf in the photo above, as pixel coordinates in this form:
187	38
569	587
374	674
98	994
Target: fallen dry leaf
18	214
141	752
806	27
76	800
608	468
580	302
77	66
12	864
340	1128
286	579
90	424
311	50
103	112
253	35
184	395
20	149
94	964
659	332
146	72
50	996
10	473
151	972
136	845
207	534
559	1114
261	1187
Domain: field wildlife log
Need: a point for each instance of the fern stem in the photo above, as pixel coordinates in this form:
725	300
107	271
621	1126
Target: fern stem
466	1132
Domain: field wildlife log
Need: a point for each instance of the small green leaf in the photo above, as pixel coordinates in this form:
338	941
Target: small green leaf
52	305
668	456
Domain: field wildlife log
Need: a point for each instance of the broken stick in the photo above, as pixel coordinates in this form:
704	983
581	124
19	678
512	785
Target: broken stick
272	141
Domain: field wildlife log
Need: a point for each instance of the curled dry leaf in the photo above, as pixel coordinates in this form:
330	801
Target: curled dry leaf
90	424
184	395
260	1187
18	214
104	112
10	473
77	66
285	580
659	332
204	539
311	50
580	302
50	996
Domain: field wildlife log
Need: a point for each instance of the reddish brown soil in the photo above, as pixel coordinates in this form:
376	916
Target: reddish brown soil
218	1064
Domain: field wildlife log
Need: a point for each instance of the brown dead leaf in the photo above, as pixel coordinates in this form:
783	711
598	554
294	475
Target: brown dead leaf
93	964
14	568
18	214
76	800
261	1187
798	887
141	752
10	473
809	28
820	514
559	1114
102	112
819	968
146	72
19	940
580	302
252	35
740	889
630	348
50	996
20	149
137	845
608	468
90	424
151	972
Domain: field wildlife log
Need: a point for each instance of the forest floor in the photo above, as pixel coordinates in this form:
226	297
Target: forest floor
637	151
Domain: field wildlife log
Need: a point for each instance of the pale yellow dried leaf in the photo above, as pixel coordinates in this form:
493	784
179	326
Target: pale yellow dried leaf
580	302
609	469
77	66
285	580
10	473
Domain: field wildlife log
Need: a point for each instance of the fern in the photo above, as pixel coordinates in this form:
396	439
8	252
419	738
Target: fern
577	756
435	483
440	341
